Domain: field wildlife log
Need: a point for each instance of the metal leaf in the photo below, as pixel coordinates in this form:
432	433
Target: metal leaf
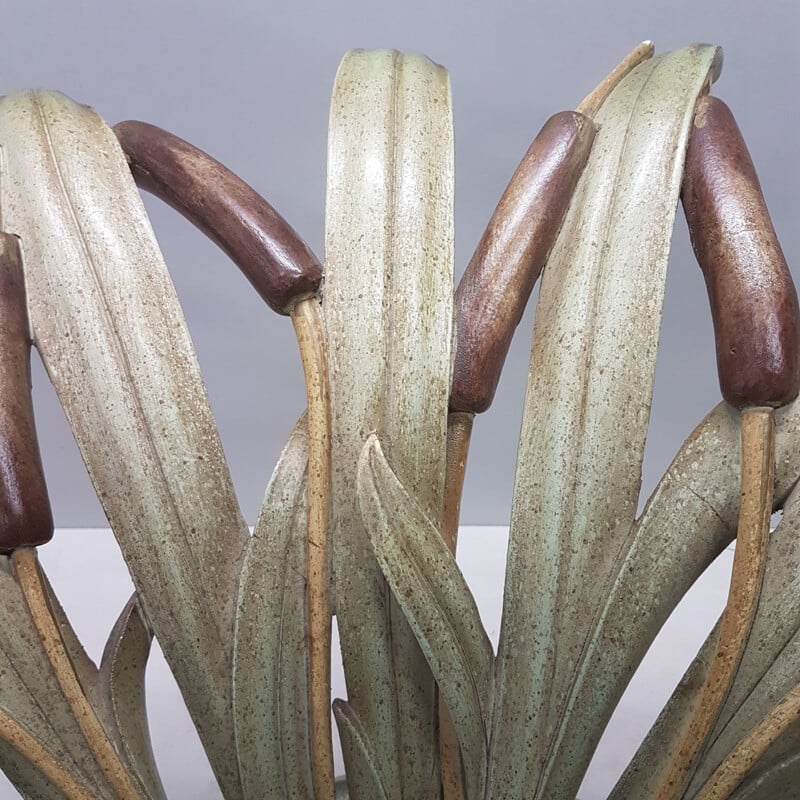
110	331
121	683
387	305
363	770
585	421
270	681
30	694
768	669
439	606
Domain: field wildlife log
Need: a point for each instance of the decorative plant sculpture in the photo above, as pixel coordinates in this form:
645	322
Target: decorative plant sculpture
360	517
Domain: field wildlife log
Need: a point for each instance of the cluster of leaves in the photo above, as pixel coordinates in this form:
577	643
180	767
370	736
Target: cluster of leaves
588	584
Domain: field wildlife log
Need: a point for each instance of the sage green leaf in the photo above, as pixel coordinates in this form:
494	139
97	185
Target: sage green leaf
270	681
770	665
437	602
121	681
360	761
387	306
29	692
111	334
585	421
690	518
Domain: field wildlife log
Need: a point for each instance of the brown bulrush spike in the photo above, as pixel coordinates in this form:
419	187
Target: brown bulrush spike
752	295
257	238
287	275
494	290
25	516
757	328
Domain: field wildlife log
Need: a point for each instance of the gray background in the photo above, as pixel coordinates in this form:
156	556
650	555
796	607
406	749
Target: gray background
250	83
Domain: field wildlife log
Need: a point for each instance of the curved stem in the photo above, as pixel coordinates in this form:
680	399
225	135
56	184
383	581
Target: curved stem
307	320
34	751
732	771
30	581
459	431
755	509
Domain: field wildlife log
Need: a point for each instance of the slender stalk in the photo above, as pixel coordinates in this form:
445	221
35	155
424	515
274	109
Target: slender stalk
755	509
592	102
307	321
459	431
732	771
34	751
29	578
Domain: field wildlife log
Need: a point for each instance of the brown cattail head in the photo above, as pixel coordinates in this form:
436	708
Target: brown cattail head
752	295
25	516
498	281
261	243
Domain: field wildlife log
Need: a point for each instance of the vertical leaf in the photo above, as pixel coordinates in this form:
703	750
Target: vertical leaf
270	682
586	414
432	593
387	304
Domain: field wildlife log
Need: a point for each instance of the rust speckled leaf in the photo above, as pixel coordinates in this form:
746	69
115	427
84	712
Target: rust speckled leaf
108	326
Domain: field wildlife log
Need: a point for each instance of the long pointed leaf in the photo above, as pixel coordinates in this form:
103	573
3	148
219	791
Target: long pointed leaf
586	414
270	682
387	300
122	683
439	606
110	331
363	769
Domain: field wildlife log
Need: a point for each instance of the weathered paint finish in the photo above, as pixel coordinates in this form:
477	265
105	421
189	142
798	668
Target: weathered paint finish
111	333
387	302
586	414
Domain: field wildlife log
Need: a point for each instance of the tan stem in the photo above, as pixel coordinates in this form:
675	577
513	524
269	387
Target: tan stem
459	430
592	102
34	751
732	771
307	320
755	510
30	581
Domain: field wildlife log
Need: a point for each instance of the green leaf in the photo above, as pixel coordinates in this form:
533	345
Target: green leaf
439	606
585	421
769	667
121	682
361	764
31	695
387	305
270	682
110	331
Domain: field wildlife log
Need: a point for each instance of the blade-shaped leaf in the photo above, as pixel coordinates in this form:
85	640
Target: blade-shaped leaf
769	668
586	414
270	682
361	764
433	595
30	694
110	331
387	301
121	682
